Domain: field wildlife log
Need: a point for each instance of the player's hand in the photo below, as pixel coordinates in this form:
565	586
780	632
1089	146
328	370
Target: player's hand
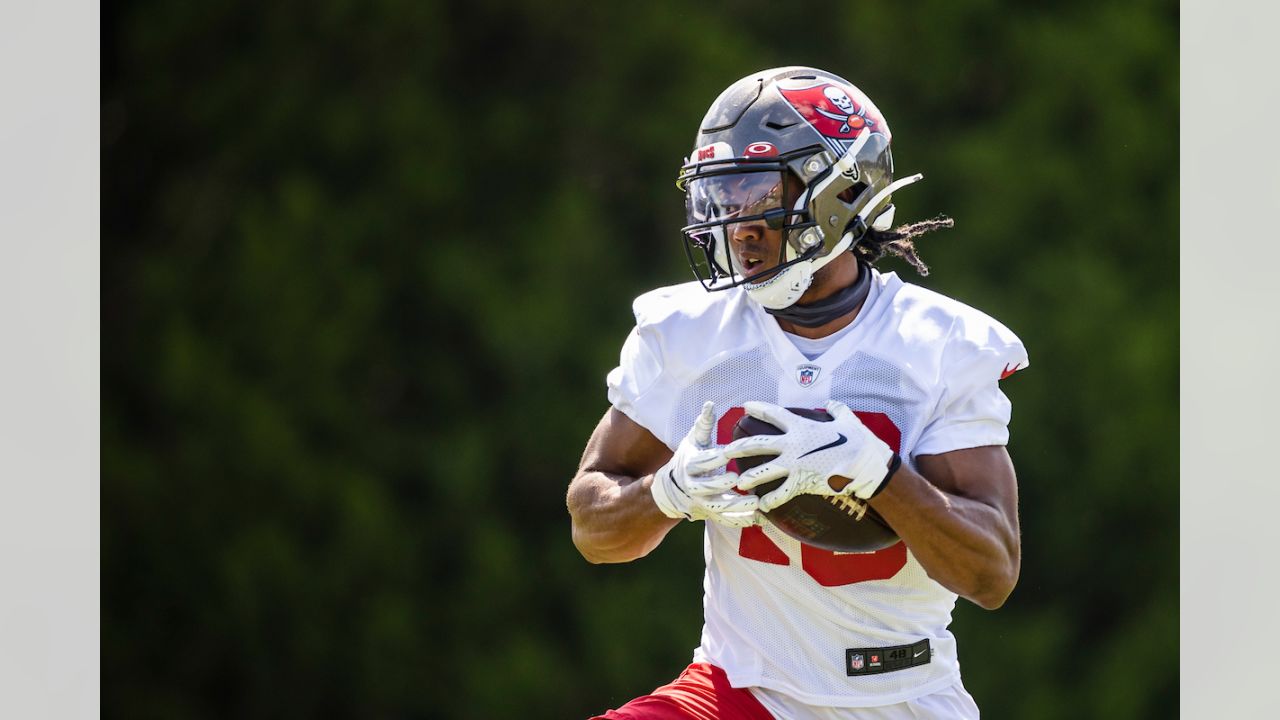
811	453
685	488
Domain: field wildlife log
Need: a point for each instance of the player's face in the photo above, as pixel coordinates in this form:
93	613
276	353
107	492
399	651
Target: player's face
755	246
760	199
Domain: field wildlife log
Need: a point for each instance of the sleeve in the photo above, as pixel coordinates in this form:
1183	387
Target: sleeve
635	386
972	411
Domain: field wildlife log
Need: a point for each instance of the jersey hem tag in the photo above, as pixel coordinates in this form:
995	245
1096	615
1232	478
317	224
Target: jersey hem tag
873	661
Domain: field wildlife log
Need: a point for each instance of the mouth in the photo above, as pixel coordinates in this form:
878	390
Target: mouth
753	263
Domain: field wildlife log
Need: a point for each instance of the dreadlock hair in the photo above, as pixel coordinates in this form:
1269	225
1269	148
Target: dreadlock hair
899	241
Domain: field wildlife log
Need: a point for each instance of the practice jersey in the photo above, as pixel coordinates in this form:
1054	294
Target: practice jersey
921	370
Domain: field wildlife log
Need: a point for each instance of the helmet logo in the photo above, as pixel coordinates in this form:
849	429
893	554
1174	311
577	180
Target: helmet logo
833	111
714	151
760	149
840	99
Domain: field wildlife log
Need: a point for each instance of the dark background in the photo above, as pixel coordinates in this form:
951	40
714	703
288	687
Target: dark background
368	263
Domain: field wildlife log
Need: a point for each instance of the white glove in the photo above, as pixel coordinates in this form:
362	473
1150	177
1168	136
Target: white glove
683	488
810	453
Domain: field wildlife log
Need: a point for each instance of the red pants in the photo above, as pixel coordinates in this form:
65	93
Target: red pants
702	692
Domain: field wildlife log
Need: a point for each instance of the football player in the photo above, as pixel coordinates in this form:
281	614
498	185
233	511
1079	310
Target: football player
789	198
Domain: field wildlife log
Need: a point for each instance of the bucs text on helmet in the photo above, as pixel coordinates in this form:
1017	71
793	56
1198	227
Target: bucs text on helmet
800	150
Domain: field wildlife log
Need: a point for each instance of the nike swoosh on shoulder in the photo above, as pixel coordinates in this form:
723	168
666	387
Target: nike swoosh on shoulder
840	440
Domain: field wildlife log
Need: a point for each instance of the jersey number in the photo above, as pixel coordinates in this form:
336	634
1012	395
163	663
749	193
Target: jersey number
828	568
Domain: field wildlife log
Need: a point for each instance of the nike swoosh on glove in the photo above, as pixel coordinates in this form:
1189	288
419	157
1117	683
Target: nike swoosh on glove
685	488
810	453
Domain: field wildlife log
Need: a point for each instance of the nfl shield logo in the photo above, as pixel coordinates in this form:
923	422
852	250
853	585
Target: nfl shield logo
855	661
807	375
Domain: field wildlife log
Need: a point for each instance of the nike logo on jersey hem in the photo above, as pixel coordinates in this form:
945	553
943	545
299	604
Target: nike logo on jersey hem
920	653
840	440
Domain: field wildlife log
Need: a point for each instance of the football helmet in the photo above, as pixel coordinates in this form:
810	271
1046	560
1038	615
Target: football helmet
794	149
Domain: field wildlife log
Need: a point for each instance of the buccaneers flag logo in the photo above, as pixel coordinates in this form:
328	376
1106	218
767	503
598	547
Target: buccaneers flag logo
833	111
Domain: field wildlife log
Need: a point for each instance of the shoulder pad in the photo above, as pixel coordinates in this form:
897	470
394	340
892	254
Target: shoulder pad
963	335
673	303
937	316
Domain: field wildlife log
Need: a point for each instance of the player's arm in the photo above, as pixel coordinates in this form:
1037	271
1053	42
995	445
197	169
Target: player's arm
959	516
614	516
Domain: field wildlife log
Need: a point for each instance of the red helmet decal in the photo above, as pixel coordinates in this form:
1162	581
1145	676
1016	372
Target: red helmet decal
714	151
834	111
760	149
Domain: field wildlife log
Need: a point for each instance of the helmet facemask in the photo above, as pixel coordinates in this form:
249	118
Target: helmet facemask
750	199
786	194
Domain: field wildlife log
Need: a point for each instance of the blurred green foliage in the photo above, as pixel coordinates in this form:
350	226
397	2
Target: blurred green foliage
369	263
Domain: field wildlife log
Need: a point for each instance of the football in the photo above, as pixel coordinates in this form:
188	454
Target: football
842	524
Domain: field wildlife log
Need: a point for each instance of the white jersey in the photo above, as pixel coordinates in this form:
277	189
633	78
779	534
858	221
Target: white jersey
921	370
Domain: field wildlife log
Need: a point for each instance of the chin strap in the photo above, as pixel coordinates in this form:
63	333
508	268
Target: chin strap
828	308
